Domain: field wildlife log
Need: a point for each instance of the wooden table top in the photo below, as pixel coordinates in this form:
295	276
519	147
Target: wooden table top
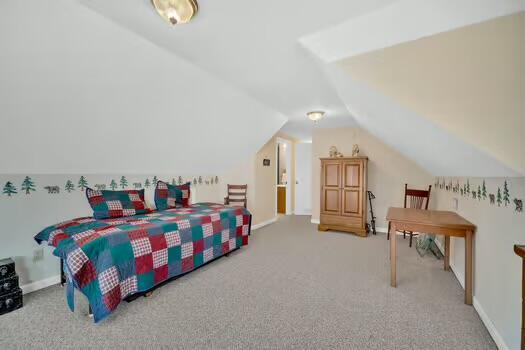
445	219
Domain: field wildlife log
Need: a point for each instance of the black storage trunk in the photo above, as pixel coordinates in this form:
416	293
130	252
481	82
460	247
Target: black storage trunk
11	301
8	285
7	268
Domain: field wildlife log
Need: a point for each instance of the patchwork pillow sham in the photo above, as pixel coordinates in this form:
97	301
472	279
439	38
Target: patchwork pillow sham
116	204
171	196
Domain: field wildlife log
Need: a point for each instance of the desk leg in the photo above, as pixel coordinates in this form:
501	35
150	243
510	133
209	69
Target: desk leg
393	240
447	253
468	268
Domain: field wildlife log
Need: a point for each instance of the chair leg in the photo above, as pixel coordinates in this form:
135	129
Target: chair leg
388	232
404	234
411	235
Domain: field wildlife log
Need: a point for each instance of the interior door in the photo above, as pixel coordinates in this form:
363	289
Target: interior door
331	187
303	177
352	180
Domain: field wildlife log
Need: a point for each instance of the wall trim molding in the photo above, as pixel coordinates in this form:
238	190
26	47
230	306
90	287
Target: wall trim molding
498	339
37	285
264	223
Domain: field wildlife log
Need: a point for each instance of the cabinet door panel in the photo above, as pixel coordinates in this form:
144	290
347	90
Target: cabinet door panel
331	174
351	202
352	175
331	201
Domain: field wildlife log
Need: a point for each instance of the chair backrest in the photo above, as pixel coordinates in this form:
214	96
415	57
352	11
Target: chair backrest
417	199
238	194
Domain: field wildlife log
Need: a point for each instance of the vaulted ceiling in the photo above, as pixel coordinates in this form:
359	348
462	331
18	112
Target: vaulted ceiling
102	72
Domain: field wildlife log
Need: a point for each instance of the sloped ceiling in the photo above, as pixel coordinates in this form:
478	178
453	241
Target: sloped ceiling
469	81
80	94
198	98
253	45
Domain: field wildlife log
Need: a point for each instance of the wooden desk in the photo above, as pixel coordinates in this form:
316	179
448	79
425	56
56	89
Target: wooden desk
520	250
445	223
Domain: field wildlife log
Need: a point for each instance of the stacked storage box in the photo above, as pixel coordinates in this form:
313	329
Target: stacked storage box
10	292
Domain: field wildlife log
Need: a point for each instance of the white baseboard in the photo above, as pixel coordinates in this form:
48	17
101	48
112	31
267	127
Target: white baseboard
500	343
264	223
315	221
37	285
306	212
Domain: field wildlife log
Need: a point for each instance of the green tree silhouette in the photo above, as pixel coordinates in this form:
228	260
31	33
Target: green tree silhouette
506	195
28	185
113	185
123	182
180	180
9	189
154	181
69	186
484	190
468	186
498	197
479	192
82	183
147	184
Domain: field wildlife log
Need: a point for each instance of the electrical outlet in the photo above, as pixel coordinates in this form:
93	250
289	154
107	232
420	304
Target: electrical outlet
455	204
38	254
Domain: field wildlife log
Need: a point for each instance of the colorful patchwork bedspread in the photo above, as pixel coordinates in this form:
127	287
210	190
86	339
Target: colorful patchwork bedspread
110	259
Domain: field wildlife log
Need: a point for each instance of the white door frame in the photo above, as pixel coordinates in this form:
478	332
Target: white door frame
288	153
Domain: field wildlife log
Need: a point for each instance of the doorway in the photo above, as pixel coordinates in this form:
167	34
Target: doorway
303	179
283	150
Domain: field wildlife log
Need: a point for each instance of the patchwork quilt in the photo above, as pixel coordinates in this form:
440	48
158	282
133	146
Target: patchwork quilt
110	259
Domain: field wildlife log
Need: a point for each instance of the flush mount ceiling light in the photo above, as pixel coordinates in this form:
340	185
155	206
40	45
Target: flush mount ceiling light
176	11
315	116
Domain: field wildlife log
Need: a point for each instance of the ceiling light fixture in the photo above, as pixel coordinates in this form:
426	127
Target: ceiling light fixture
176	11
315	116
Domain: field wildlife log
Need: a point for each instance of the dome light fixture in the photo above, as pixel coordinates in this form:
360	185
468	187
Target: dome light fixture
176	11
315	116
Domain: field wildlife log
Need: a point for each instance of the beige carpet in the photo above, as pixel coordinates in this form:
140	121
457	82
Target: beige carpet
292	287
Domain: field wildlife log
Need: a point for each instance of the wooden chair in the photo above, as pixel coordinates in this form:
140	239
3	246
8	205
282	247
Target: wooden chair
417	199
237	194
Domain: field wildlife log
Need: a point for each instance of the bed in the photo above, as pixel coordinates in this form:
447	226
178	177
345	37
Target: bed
109	260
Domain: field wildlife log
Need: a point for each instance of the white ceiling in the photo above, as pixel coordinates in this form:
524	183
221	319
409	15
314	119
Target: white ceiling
254	46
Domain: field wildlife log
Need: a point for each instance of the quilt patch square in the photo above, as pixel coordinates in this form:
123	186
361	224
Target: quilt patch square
160	258
141	246
108	279
128	286
172	239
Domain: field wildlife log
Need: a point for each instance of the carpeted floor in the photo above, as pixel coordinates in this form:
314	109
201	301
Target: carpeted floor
292	287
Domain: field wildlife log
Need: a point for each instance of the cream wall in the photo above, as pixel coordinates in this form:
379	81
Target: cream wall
497	270
388	170
469	81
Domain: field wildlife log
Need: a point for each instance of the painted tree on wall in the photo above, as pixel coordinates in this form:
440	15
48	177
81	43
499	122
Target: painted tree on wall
498	197
484	190
180	180
82	183
69	186
147	184
173	182
506	195
123	182
468	186
465	189
479	192
216	179
28	185
113	185
155	180
9	189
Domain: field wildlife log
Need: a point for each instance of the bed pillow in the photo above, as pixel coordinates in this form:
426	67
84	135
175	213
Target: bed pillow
116	204
171	196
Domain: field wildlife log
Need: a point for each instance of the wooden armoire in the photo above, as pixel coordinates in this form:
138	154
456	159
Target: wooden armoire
343	195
